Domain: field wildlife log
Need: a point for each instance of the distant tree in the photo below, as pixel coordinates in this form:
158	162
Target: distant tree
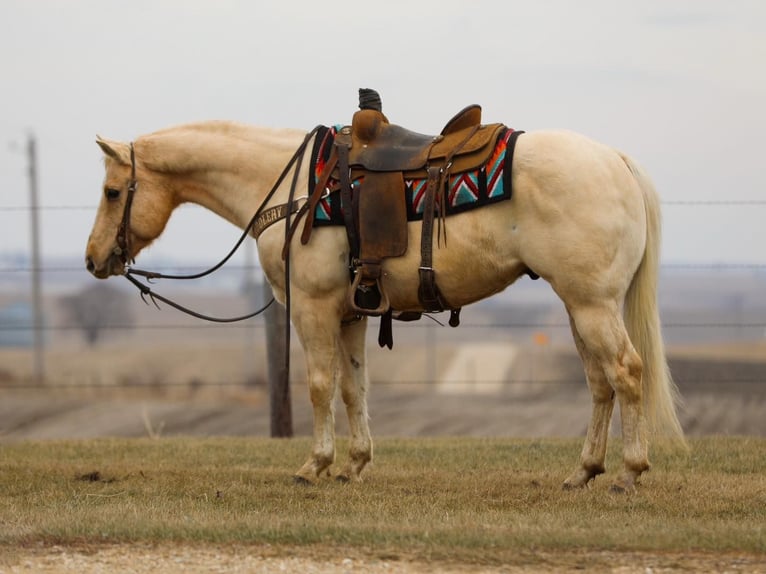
97	308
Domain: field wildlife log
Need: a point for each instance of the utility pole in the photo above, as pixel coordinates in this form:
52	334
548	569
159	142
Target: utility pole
34	214
278	371
250	289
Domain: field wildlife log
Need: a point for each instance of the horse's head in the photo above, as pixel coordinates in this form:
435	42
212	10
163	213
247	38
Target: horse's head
135	206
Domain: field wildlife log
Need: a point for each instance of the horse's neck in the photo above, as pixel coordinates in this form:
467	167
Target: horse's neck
227	168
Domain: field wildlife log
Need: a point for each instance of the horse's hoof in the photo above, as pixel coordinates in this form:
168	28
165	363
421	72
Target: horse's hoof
581	478
622	488
626	483
302	481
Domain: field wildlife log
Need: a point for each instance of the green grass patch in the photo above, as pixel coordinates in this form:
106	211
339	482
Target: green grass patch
461	499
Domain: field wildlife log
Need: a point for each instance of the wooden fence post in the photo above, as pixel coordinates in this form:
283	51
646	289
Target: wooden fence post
278	372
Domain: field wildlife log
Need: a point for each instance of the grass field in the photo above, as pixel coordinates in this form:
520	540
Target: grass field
466	501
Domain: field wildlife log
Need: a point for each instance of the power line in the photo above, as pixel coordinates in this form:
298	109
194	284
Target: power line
714	202
13	208
713	266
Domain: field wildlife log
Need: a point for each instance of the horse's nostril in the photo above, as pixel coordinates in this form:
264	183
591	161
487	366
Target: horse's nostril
89	265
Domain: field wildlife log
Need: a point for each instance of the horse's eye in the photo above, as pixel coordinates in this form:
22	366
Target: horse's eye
111	193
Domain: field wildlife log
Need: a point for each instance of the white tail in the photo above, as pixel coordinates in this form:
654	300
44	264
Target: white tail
642	320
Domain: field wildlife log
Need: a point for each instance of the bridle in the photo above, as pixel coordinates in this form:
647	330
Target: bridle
122	248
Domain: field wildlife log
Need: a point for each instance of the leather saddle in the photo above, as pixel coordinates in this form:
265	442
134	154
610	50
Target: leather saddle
381	156
377	145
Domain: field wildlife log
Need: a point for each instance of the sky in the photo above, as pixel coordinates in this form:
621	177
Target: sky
680	85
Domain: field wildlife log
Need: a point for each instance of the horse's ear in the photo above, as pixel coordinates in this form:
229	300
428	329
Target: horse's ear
117	150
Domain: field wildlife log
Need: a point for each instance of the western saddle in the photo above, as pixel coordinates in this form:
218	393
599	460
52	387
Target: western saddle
381	156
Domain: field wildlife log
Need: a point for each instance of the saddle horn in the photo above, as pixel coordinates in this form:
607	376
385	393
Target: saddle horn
370	100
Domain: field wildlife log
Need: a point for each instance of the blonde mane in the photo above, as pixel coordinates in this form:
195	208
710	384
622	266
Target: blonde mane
210	145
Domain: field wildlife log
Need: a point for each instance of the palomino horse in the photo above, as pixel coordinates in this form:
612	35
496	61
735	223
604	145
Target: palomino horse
583	216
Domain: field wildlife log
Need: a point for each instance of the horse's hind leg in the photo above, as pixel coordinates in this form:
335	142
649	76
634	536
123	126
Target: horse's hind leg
354	385
602	395
613	368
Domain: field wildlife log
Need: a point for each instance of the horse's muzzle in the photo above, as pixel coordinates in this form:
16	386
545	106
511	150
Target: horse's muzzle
112	266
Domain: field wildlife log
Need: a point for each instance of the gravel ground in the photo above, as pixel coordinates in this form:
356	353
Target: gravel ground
177	559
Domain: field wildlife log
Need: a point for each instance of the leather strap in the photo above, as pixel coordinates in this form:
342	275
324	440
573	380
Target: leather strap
293	226
272	215
123	247
428	292
386	331
346	198
316	195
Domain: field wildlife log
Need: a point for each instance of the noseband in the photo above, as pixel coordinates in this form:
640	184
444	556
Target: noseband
122	249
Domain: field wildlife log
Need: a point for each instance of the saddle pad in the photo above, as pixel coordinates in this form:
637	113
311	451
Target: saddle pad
469	190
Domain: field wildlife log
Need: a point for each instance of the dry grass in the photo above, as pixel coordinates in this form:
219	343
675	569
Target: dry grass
470	500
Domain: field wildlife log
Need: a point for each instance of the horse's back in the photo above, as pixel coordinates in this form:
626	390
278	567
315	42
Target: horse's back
555	157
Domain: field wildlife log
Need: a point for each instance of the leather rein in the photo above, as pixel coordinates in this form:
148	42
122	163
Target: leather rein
123	246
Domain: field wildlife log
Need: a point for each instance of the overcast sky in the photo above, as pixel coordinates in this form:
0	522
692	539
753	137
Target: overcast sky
679	85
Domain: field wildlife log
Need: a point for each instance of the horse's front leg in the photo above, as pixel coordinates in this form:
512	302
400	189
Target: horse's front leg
354	385
320	336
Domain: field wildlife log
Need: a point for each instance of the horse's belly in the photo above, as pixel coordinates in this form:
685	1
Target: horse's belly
472	266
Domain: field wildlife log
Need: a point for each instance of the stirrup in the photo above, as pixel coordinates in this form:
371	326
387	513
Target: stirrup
374	295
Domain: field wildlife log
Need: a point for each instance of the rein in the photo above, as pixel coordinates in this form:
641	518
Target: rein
122	249
147	292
